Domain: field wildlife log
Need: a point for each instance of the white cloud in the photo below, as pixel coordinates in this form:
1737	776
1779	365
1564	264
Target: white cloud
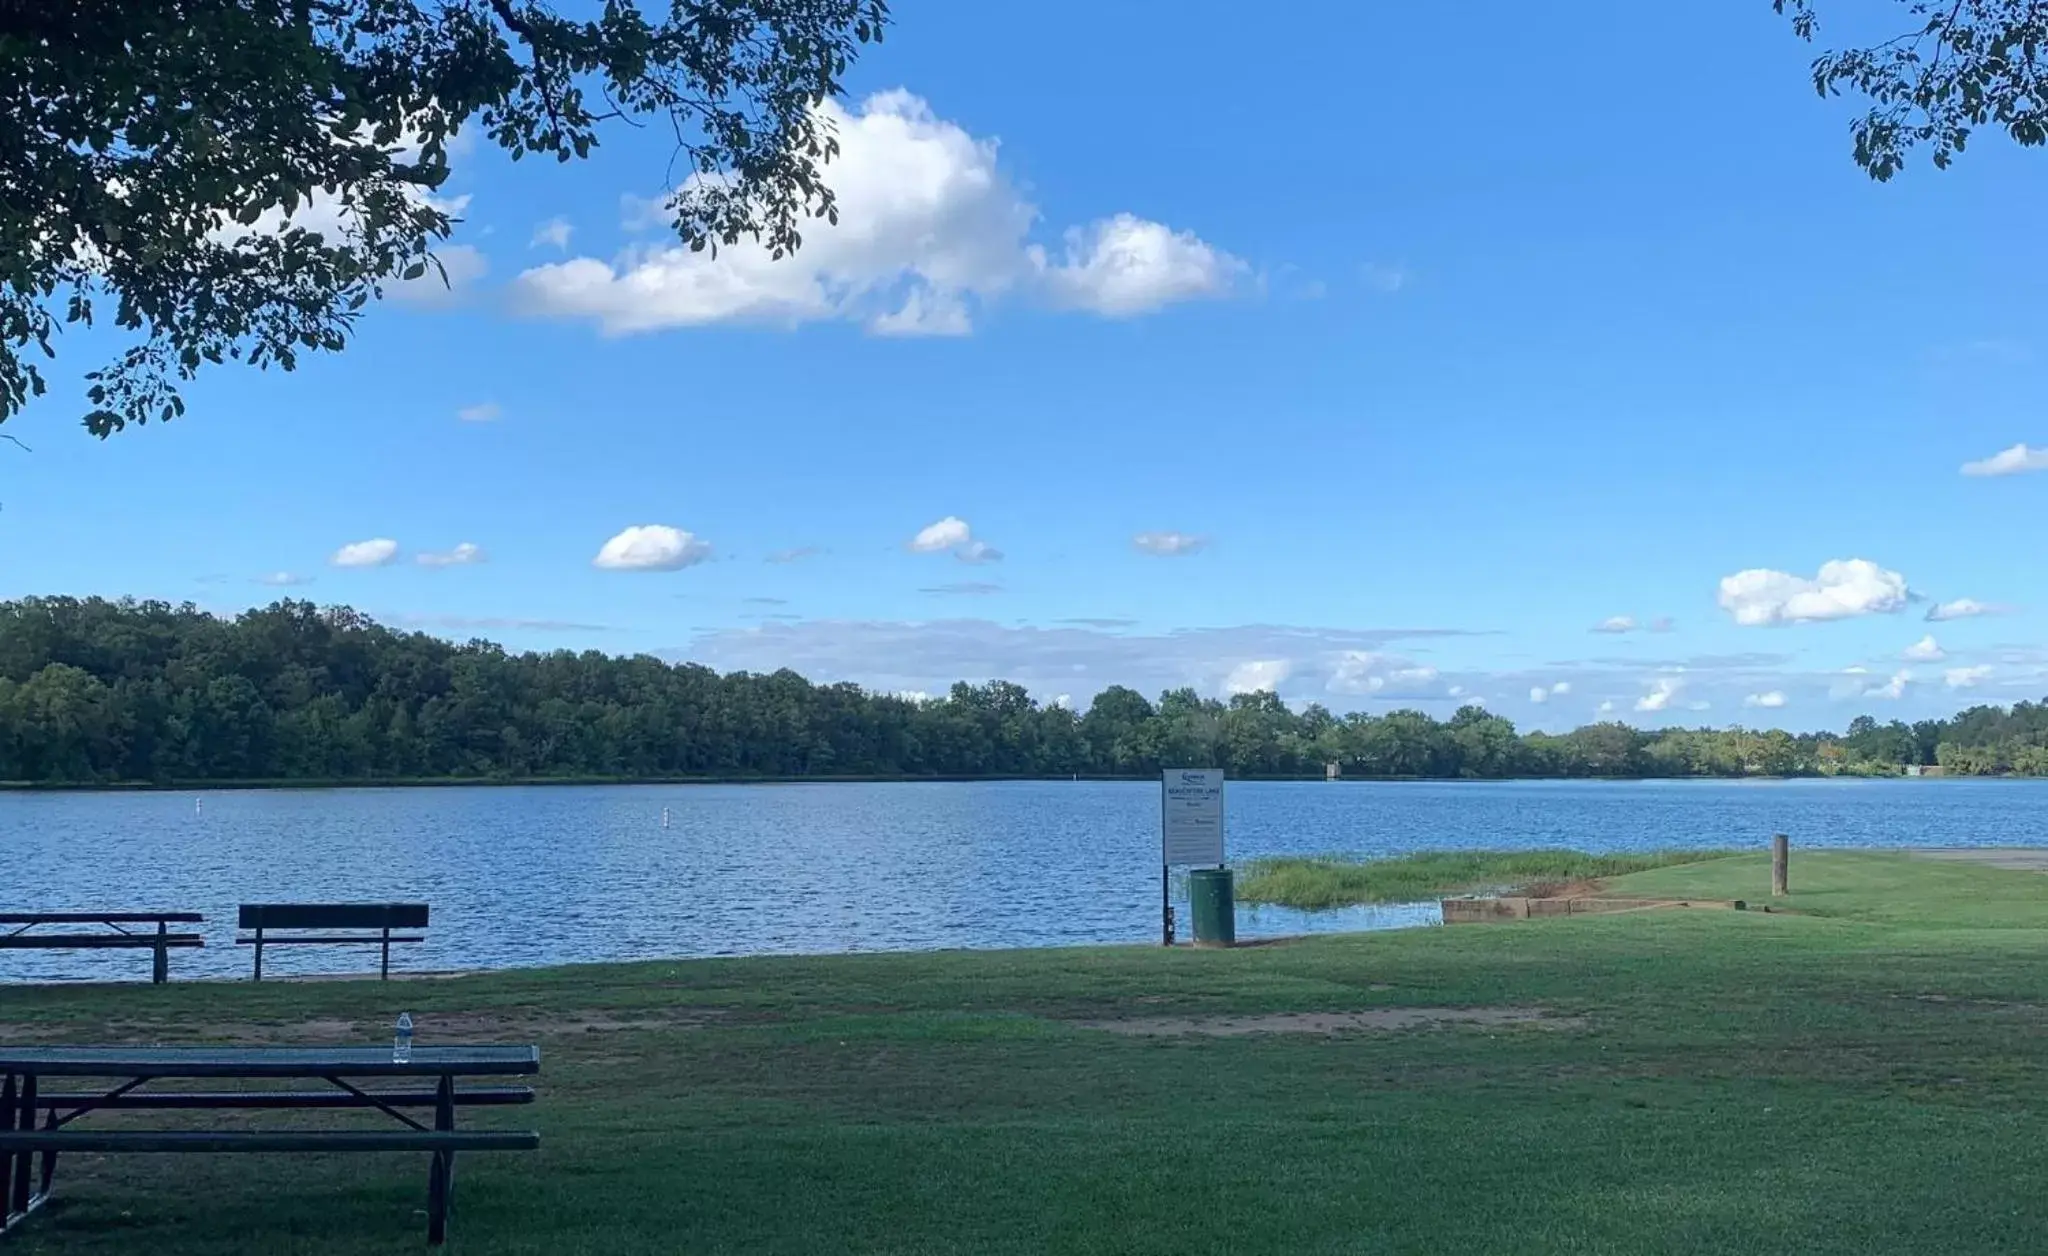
1539	694
1168	544
1849	683
554	233
1382	277
1126	266
1364	673
1662	691
925	312
463	555
1891	690
952	533
1964	608
378	552
1616	623
1257	675
1966	677
482	412
1353	674
1925	650
1771	699
929	229
652	547
948	533
1561	688
1843	588
283	579
1607	707
1081	657
461	267
2014	461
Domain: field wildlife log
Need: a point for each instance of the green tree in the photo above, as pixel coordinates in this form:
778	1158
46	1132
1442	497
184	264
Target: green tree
92	690
180	149
1485	744
1959	65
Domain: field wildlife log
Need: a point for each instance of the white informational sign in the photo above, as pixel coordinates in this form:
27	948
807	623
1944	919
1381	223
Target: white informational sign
1191	816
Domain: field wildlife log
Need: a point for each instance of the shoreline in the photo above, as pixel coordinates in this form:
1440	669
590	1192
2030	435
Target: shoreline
491	782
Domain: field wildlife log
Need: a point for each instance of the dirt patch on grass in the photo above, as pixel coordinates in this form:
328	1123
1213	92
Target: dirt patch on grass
1371	1020
512	1025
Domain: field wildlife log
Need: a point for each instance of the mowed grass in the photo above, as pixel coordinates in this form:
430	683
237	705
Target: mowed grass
1315	883
1863	1078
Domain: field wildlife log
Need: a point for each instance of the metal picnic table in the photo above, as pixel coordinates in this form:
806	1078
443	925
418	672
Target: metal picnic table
128	1076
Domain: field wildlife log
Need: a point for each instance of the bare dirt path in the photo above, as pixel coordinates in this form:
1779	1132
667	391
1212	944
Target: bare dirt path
2015	858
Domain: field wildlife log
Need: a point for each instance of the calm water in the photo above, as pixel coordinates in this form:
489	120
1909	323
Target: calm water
552	875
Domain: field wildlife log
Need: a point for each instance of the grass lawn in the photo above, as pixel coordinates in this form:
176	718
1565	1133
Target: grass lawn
1860	1079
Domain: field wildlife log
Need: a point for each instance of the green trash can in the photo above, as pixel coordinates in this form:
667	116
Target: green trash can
1214	906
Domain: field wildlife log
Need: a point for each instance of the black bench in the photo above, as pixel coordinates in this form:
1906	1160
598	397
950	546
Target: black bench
17	933
364	924
132	1071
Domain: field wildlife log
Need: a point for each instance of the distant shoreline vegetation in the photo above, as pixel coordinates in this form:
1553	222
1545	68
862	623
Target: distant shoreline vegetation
131	694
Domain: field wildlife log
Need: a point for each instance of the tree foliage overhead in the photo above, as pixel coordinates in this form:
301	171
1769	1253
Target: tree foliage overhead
154	154
94	691
1962	65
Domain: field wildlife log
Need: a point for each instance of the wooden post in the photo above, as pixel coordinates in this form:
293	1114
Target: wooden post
1781	855
160	969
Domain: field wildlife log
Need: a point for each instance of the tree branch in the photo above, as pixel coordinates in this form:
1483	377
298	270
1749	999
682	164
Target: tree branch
510	17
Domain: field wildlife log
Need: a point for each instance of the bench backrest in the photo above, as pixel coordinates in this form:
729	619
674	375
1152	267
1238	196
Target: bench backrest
333	916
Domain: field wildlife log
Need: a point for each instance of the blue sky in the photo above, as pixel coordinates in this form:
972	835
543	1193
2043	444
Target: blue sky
1423	340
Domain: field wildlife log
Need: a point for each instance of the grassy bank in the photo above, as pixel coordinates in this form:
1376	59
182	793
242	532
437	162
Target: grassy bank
1863	1078
1330	882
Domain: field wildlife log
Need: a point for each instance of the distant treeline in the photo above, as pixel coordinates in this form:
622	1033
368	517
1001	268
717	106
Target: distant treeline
102	692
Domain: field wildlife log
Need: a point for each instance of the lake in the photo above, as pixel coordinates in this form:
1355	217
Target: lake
544	875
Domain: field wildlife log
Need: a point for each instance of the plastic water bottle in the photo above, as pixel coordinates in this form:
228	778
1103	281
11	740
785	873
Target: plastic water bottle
401	1041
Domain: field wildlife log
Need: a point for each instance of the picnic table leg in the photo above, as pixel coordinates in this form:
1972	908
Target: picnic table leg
385	973
6	1157
25	1119
49	1158
441	1178
160	970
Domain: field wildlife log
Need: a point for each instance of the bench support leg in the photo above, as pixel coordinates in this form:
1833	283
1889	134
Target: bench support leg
259	952
441	1177
7	1114
160	968
49	1158
384	974
25	1119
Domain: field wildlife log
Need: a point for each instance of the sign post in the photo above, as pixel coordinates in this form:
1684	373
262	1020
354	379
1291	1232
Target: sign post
1190	830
